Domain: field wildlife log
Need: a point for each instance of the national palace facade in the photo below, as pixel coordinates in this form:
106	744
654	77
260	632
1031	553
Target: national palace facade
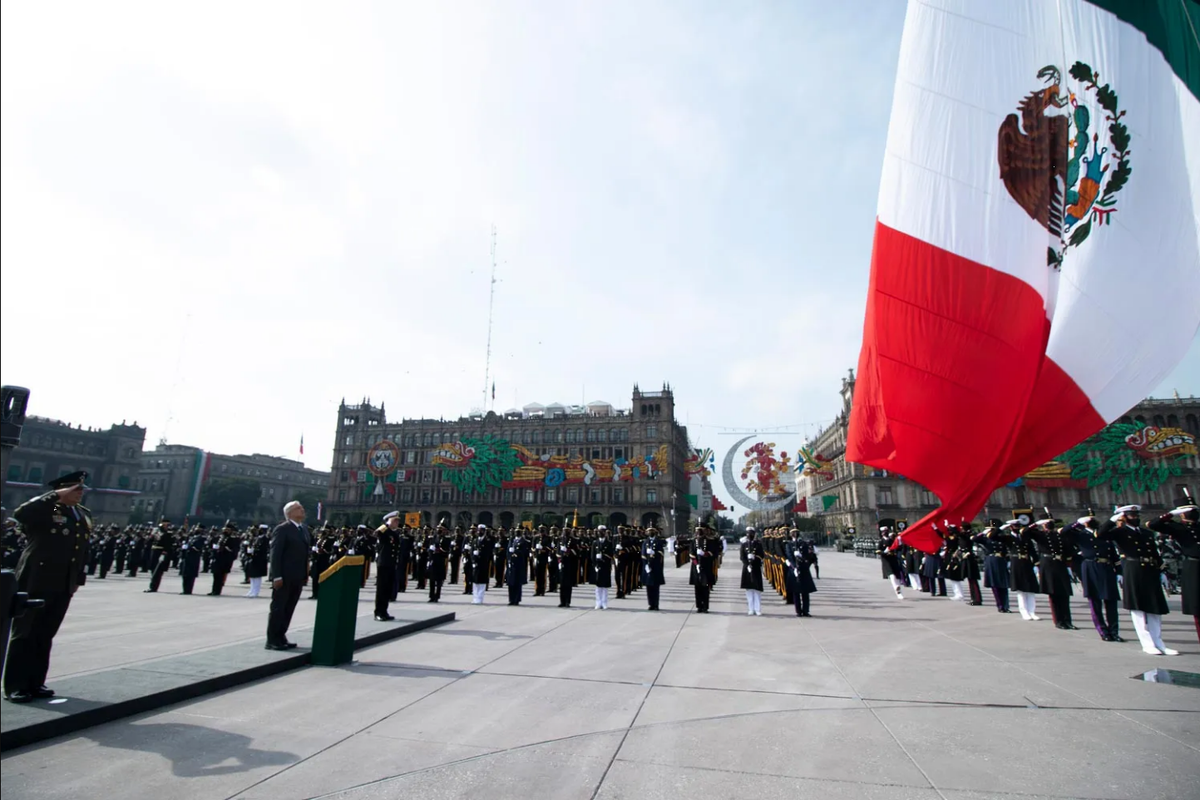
539	464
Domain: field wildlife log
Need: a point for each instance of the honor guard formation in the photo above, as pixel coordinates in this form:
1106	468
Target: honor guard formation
1110	560
54	547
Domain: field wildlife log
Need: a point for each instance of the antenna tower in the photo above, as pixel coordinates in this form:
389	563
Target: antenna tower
487	363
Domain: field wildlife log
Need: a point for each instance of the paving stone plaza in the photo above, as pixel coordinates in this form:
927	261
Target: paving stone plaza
870	698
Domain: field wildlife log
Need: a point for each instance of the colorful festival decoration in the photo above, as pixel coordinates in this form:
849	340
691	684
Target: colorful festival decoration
474	466
700	462
766	469
768	472
1130	457
814	464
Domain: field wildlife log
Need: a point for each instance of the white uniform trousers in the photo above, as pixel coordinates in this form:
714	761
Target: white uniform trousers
1027	604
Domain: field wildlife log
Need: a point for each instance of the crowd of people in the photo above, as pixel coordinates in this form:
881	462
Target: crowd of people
555	560
1113	560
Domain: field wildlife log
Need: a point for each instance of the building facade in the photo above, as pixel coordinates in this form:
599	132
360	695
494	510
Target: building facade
1152	447
539	464
173	480
50	448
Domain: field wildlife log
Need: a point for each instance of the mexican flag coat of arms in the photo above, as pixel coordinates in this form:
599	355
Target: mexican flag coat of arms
1036	264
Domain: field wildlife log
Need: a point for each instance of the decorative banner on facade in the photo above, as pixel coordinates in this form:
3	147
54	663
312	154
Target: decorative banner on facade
383	458
1131	457
412	519
474	466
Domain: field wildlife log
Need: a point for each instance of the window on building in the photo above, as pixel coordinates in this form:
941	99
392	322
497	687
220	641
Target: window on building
927	498
445	495
406	494
591	435
14	472
425	495
618	452
651	431
651	495
595	452
602	435
508	495
341	495
558	437
345	460
570	437
594	495
885	496
349	441
551	495
529	495
427	476
618	494
572	494
537	437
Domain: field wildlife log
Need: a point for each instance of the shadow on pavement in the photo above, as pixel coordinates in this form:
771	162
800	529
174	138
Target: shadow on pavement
193	750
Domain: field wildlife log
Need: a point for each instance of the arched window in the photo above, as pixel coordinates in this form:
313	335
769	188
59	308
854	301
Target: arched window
1173	420
1140	418
602	435
1160	421
591	435
1192	423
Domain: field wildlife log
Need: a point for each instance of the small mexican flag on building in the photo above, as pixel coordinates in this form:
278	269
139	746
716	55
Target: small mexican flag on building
1036	265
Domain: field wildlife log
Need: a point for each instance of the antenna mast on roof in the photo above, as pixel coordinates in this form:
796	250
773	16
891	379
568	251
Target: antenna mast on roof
487	363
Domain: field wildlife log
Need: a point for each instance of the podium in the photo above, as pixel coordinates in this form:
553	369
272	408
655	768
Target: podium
337	610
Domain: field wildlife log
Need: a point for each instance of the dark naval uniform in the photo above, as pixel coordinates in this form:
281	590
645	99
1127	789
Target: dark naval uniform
1056	549
798	555
51	568
653	575
1186	533
703	574
1098	575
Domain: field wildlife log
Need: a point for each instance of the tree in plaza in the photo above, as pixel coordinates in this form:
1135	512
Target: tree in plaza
235	496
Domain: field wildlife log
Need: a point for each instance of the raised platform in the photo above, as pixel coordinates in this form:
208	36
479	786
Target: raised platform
92	699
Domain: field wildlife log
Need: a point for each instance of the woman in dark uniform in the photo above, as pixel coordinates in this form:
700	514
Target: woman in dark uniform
1024	578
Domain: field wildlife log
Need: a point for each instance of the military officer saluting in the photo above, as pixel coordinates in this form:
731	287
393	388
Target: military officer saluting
52	567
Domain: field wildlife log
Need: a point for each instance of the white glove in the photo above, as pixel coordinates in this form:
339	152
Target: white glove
512	549
475	552
218	547
599	557
563	548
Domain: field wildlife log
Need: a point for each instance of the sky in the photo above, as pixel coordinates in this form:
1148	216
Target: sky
221	219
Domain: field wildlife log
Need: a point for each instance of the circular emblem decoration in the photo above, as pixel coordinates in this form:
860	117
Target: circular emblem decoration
383	458
1065	157
1024	518
555	476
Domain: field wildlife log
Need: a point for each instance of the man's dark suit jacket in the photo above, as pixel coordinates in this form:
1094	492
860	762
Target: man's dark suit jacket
289	553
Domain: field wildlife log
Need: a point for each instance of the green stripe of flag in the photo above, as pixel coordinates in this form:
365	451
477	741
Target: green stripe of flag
1170	26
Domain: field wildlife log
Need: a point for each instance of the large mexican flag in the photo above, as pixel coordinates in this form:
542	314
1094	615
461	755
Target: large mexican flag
1036	266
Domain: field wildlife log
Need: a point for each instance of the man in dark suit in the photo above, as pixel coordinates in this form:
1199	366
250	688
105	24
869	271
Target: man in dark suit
57	529
289	572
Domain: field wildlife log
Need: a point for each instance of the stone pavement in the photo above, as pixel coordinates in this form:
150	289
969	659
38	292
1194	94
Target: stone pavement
871	698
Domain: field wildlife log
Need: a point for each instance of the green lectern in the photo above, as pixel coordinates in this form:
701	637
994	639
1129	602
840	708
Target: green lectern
337	609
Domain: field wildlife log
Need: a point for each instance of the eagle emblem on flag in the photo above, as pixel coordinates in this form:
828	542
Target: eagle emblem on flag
1065	156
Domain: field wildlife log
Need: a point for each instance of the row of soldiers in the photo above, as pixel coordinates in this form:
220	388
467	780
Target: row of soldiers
555	560
1114	559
